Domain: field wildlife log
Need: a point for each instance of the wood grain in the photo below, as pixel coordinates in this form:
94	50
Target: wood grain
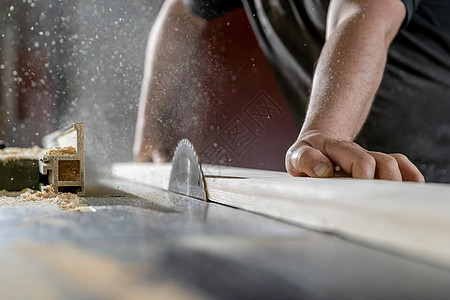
408	218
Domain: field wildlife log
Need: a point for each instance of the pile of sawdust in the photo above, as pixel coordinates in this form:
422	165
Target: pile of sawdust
70	150
65	201
14	153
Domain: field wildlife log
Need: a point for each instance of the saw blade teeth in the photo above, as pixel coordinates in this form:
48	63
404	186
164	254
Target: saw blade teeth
186	142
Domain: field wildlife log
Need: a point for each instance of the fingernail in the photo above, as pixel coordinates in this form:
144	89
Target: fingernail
321	169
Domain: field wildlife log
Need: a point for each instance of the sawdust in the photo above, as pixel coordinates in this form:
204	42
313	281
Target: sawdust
70	150
65	201
14	153
34	153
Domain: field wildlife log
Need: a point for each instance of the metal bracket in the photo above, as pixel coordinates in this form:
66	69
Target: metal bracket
65	171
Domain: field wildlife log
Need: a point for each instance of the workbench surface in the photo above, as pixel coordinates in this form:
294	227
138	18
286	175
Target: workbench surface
141	242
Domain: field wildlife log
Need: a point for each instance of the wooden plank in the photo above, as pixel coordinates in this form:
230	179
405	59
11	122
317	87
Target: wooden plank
409	218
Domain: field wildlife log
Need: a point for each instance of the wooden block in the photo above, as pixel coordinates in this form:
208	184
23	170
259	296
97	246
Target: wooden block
409	218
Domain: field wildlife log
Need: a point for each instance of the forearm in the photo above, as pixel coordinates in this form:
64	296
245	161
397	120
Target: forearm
348	74
171	43
347	77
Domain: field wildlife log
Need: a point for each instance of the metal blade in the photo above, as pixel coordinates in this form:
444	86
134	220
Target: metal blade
186	176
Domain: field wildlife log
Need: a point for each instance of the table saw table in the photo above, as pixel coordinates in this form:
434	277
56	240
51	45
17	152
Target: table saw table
141	242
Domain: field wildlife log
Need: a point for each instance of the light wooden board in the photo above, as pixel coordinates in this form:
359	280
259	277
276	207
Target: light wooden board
409	218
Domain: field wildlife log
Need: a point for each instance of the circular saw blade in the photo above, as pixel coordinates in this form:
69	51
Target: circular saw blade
186	176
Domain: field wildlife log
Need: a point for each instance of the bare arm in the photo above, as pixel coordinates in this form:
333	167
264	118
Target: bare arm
347	76
171	43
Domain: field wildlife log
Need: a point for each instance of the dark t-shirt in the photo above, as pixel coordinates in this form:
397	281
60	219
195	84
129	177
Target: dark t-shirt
436	12
411	111
210	9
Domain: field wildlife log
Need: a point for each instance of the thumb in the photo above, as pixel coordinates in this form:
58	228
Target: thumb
305	160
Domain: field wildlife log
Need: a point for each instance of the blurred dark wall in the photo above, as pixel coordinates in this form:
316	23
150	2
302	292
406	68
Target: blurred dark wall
73	61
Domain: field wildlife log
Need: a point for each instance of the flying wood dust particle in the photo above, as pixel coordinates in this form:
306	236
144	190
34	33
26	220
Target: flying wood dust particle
65	201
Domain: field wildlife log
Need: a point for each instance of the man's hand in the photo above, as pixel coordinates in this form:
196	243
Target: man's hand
315	154
347	76
145	155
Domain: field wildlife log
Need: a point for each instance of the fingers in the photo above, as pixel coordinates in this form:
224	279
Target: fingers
142	156
159	158
387	167
316	155
351	158
408	170
302	159
150	155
